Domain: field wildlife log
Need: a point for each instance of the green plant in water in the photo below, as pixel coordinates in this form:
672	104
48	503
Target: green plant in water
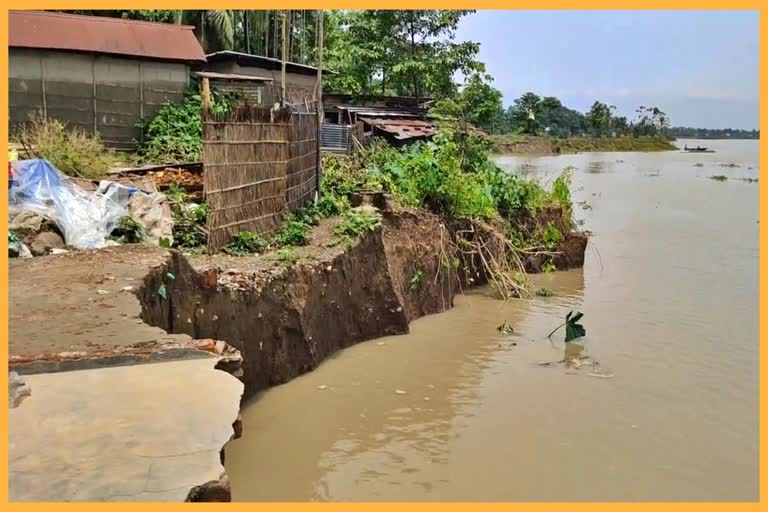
719	177
573	329
505	328
544	292
549	266
245	243
416	279
561	188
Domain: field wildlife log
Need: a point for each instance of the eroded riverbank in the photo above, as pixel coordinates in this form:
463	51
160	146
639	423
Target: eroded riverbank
669	292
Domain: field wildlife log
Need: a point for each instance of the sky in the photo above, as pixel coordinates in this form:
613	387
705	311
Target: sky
700	67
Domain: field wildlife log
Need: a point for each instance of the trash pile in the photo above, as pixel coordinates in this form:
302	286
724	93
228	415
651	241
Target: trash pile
48	211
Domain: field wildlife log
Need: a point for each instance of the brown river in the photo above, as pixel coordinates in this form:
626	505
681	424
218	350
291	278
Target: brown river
659	402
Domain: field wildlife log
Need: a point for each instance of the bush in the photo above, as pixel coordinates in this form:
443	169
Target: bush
71	150
246	242
292	232
175	133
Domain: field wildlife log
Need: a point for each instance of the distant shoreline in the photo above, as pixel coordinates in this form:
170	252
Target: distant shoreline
535	145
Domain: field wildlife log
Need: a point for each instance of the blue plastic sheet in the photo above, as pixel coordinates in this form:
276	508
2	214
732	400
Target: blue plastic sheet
84	218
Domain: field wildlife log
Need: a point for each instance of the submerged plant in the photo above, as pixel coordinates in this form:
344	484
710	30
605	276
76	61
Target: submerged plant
573	329
505	328
719	177
544	292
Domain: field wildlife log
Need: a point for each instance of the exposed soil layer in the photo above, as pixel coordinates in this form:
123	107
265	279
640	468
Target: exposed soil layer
287	317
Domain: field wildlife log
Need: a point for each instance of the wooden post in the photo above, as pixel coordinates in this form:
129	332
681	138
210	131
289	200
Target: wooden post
319	85
206	95
319	100
282	71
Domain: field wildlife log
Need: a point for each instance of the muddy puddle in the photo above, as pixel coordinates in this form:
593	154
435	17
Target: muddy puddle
658	403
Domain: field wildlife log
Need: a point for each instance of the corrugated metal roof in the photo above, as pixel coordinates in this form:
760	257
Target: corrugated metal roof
377	111
260	60
232	76
114	36
401	129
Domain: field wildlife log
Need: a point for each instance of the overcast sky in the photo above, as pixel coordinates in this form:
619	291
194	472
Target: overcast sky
701	67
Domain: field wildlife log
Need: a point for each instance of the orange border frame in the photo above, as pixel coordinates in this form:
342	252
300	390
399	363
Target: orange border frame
423	4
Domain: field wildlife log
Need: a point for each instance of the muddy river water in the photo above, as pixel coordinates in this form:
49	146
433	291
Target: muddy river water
665	408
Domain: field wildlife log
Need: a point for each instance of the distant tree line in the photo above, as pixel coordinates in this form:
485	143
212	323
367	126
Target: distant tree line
684	132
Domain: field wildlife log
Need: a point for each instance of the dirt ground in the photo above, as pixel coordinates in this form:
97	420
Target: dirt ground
80	301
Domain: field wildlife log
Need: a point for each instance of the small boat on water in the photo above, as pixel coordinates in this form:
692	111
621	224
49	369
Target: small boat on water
698	149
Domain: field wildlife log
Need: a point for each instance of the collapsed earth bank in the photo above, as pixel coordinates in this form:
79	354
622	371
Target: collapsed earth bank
285	318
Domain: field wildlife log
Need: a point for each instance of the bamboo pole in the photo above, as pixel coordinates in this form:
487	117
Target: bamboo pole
282	70
319	100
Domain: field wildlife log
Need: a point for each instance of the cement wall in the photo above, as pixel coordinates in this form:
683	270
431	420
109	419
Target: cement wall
109	95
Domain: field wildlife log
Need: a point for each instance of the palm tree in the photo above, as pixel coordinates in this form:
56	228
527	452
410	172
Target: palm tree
215	29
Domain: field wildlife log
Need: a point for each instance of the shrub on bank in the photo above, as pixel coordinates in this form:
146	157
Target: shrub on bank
71	150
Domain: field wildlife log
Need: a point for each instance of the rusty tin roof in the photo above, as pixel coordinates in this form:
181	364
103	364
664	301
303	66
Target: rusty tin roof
114	36
402	129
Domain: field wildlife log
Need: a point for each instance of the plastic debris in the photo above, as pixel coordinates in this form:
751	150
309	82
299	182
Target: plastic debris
84	218
162	292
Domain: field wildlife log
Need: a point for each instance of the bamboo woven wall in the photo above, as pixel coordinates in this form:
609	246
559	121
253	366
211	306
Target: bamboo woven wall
257	167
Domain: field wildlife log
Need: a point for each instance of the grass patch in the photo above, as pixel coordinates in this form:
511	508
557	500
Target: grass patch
287	255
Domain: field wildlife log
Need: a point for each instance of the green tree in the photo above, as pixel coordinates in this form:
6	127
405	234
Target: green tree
404	52
599	119
478	103
525	113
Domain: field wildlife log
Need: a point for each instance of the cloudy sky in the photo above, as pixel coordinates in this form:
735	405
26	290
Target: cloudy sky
701	67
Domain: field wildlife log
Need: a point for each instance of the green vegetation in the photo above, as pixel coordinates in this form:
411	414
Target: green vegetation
719	177
175	133
245	243
551	237
523	144
416	279
294	231
573	329
505	328
287	255
128	231
544	292
356	223
71	150
549	266
683	132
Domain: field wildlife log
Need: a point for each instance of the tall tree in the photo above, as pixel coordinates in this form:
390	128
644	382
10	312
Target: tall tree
525	113
404	52
599	119
478	103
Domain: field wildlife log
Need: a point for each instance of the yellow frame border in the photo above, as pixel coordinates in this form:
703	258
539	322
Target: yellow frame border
423	4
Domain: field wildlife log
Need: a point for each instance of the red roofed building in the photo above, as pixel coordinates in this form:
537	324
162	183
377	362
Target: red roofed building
99	74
